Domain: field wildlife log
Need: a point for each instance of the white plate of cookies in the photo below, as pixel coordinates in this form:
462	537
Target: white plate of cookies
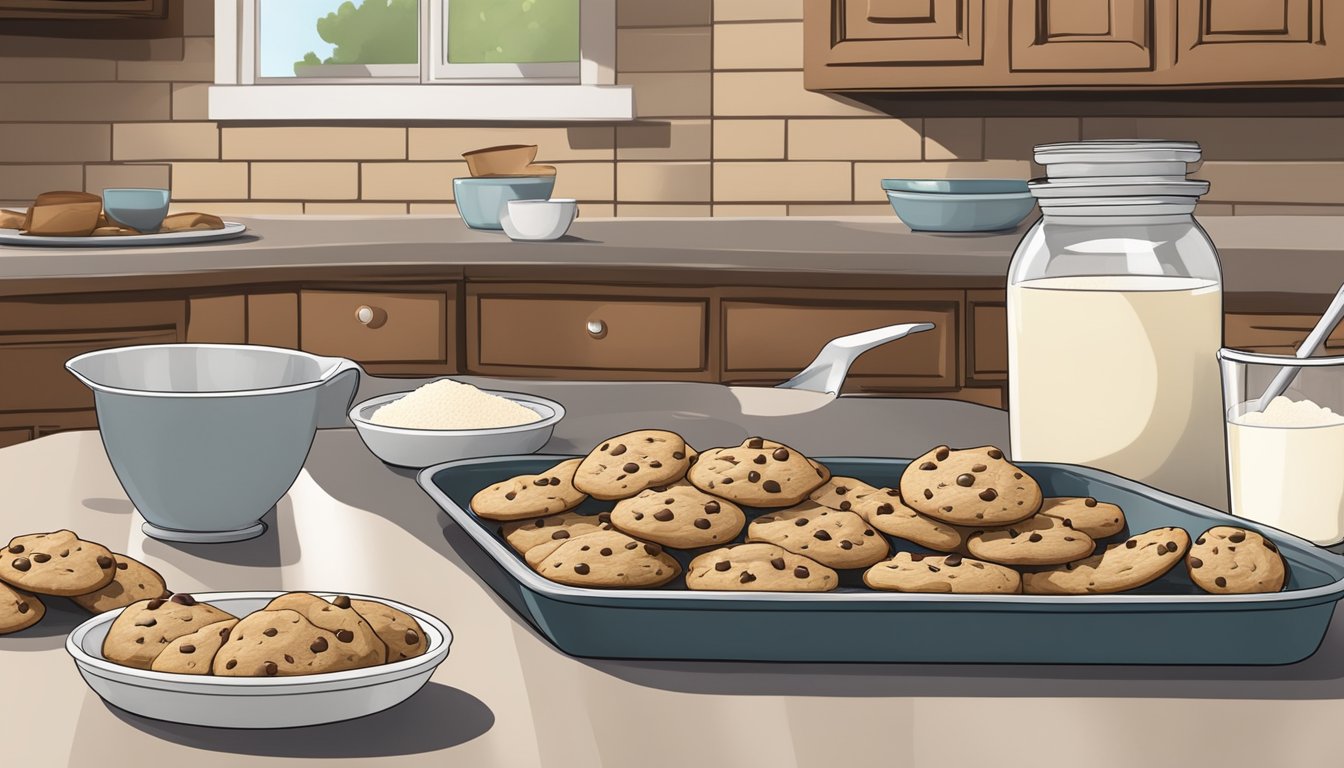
259	659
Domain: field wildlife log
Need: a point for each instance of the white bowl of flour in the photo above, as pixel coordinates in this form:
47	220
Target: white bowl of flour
446	420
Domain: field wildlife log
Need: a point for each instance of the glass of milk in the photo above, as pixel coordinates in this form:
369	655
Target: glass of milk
1286	460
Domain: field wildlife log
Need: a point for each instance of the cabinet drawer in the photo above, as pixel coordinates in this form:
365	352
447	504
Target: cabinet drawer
774	340
987	351
376	327
1274	334
606	333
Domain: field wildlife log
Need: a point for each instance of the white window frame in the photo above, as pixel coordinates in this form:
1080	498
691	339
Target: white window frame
523	93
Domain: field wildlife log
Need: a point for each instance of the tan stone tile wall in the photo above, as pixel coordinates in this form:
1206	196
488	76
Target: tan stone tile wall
725	128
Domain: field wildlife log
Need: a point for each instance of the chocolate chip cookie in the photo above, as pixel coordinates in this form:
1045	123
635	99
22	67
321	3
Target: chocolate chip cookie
1095	518
1132	563
545	493
914	572
831	537
402	634
526	534
974	486
56	563
194	653
354	636
1227	561
132	581
679	515
627	464
146	627
759	567
282	643
605	559
841	492
887	513
758	473
1038	540
18	610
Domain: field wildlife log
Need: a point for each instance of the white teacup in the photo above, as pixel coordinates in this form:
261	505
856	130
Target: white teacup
538	219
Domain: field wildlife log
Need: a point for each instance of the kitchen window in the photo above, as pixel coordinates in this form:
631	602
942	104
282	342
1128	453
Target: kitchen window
416	60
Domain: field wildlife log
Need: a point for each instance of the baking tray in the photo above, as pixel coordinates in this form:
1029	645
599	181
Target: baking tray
1167	622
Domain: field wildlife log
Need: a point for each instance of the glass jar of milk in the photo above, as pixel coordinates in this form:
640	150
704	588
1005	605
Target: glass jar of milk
1115	319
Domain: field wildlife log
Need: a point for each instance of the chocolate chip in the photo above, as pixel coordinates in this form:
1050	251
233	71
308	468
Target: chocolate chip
539	523
746	578
928	465
224	634
510	495
183	598
756	443
105	562
618	450
632	545
711	507
21	564
663	515
678	455
800	522
1068	522
1035	537
885	509
121	566
915	557
341	601
965	481
846	544
1195	562
942	453
952	561
187	648
412	638
139	641
770	486
604	517
154	604
562	534
639	515
271	668
319	645
1017	475
289	659
1270	546
822	535
555	481
146	622
1013	532
1171	546
15	549
65	553
345	635
989	494
868	532
270	632
995	453
1237	537
933	568
656	464
1200	540
778	562
1089	502
760	459
722	565
605	552
541	481
232	663
702	524
978	467
780	454
753	476
630	467
41	557
1220	581
928	494
653	549
845	506
801	572
22	606
1131	544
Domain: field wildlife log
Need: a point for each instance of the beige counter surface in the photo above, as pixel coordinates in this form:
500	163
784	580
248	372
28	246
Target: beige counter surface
505	697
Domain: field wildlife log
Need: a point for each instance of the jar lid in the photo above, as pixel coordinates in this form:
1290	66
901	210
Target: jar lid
1117	168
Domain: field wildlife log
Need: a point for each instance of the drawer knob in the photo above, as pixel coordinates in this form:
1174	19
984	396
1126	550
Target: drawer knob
597	329
364	314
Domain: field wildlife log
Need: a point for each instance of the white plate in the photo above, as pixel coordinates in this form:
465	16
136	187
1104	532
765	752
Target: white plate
255	702
231	229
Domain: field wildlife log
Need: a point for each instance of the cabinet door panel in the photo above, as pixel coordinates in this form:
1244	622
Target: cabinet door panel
906	31
1081	35
1244	41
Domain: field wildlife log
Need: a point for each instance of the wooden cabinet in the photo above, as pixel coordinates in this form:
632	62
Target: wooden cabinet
403	331
1275	334
1080	44
83	9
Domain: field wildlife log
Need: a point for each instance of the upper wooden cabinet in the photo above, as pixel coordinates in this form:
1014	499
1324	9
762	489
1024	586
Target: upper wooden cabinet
1079	44
83	9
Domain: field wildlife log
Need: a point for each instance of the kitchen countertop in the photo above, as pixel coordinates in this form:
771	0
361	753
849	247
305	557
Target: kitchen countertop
505	697
875	251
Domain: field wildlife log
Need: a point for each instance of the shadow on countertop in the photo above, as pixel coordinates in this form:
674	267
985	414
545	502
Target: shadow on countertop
436	717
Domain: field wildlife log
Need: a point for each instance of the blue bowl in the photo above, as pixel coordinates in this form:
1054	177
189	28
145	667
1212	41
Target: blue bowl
480	201
956	186
140	209
959	205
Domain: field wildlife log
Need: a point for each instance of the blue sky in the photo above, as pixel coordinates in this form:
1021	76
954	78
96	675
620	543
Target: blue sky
288	31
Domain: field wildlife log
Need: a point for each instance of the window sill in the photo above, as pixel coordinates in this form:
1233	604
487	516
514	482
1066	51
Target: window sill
422	102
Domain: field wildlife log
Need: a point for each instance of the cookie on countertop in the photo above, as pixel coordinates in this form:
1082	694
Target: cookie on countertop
402	634
758	473
1226	560
914	572
887	513
1038	540
972	486
354	634
680	516
833	538
282	643
759	567
841	493
18	610
132	581
526	534
56	563
624	465
146	627
545	493
194	653
1097	519
604	559
1138	560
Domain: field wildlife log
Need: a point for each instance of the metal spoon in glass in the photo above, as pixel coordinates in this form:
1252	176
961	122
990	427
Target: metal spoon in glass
1315	339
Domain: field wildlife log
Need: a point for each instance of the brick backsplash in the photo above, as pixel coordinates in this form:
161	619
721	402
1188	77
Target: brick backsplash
726	129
